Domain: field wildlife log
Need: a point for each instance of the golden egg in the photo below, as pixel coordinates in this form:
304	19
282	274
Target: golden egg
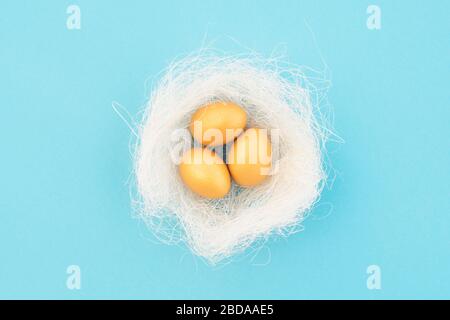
218	123
205	173
250	158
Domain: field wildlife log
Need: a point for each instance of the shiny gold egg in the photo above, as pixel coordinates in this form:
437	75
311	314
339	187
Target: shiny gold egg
218	123
205	173
250	158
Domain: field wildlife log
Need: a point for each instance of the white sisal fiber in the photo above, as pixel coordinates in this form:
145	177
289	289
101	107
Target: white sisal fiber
275	96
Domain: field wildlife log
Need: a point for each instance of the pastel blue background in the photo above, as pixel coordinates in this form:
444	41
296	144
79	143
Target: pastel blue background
65	159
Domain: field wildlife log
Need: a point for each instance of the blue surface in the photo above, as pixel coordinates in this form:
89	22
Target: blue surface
65	159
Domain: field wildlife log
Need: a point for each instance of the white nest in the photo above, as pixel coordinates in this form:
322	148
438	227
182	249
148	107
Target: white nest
274	97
